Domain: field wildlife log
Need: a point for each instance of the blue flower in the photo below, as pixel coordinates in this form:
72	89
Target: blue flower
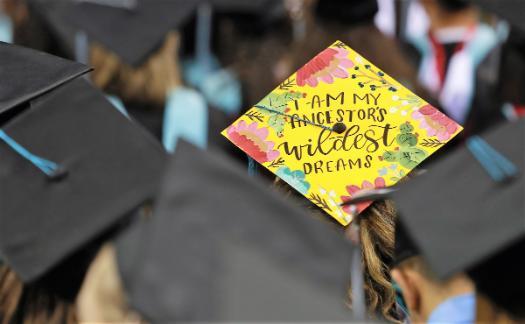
383	171
294	179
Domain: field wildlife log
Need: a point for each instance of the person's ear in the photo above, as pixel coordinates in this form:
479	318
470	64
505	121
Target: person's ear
408	286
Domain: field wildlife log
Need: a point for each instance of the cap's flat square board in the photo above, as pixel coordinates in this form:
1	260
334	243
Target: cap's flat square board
388	130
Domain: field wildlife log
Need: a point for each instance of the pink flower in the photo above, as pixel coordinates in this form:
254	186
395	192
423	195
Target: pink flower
353	189
252	140
435	122
325	67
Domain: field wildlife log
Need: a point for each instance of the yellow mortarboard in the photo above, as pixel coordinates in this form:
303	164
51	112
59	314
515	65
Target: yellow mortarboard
340	125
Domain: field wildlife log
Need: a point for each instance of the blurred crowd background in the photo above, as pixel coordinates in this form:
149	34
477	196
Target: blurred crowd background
221	57
467	61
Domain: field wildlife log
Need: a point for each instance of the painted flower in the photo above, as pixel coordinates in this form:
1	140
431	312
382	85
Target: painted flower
435	122
353	189
325	67
252	140
294	179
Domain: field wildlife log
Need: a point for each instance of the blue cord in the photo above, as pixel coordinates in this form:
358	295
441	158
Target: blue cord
252	167
508	167
48	167
400	302
497	166
204	23
485	160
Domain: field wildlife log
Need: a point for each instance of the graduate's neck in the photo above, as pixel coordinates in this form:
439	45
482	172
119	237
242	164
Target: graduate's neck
438	293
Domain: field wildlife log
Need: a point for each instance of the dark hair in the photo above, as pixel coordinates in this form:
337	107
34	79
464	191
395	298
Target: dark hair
31	303
453	5
347	12
499	279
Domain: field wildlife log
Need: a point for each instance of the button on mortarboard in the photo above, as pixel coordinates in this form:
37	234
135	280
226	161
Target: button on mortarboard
339	128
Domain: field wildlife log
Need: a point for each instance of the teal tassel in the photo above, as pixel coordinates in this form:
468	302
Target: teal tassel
50	168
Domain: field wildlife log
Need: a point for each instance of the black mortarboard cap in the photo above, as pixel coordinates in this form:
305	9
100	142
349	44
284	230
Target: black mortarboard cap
511	10
109	166
469	206
222	246
255	7
26	74
131	29
461	217
404	247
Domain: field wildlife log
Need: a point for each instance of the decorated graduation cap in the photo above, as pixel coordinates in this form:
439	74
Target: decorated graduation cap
223	247
338	126
131	29
27	74
72	167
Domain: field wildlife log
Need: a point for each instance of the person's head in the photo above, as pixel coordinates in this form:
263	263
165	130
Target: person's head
98	295
147	84
30	303
359	32
50	298
450	13
422	291
376	232
102	297
84	287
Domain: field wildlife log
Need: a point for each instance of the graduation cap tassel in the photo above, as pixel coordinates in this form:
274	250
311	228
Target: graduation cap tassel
498	167
51	169
204	22
252	167
82	48
356	275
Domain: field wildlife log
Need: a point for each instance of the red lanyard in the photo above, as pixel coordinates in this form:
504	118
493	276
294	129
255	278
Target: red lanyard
441	56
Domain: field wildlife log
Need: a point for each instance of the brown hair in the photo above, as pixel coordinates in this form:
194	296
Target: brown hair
377	235
377	240
148	83
30	303
377	224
